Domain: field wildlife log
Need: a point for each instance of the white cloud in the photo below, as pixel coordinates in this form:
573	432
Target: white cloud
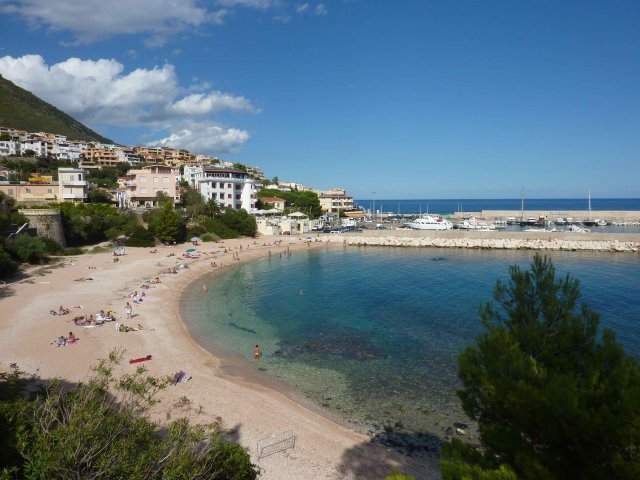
214	102
320	9
92	20
101	93
302	8
205	138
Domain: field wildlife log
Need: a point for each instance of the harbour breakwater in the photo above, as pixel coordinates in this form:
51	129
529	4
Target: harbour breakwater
557	241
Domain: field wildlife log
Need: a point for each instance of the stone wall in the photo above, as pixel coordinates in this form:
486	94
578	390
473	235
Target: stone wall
47	222
493	240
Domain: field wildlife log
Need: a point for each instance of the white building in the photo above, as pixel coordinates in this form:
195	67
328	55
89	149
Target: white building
39	146
9	147
72	185
229	187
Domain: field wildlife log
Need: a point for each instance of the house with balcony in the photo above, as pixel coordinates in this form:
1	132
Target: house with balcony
9	147
229	187
103	157
335	200
72	185
142	185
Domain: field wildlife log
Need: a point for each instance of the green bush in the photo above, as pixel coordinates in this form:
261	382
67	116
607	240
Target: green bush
240	221
26	248
140	237
7	265
210	237
51	246
196	231
215	226
102	429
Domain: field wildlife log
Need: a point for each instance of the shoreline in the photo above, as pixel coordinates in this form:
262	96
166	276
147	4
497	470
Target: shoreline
247	410
247	405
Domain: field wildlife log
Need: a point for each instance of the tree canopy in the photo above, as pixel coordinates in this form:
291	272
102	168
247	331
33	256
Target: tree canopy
306	202
553	399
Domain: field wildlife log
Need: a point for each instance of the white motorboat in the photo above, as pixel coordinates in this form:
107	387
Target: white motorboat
578	229
430	222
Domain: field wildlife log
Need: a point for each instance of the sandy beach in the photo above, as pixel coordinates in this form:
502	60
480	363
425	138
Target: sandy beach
247	410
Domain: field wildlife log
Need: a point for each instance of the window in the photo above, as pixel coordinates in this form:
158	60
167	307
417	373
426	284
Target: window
237	196
28	190
143	190
229	195
238	186
11	191
143	179
229	185
155	179
49	190
165	179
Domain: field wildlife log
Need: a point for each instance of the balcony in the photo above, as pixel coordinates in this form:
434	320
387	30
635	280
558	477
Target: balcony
74	196
74	183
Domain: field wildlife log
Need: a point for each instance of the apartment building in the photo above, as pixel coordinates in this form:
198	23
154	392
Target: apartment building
335	200
229	187
142	186
9	147
103	157
153	155
70	187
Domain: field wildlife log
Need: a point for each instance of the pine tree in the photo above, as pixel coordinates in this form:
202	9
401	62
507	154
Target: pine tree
553	399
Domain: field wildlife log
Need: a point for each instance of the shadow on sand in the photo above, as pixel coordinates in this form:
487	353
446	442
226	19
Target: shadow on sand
416	454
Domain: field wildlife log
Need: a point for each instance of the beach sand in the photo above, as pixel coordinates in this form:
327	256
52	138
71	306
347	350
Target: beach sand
249	410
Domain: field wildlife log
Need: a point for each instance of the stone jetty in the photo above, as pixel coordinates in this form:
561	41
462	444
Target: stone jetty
564	241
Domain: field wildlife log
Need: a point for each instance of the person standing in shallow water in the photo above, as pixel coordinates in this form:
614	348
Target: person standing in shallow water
256	353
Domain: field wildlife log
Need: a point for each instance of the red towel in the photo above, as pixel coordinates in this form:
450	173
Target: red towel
141	359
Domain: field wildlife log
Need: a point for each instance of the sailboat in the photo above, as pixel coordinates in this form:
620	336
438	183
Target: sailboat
589	223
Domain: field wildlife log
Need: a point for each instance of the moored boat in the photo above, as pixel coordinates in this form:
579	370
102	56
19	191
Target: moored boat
430	222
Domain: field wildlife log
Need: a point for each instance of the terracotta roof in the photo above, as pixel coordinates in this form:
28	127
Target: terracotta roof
272	199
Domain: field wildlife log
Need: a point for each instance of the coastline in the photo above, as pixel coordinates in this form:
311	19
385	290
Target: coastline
247	410
248	406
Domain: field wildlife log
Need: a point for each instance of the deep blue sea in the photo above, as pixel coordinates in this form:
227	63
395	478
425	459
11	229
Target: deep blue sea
371	334
477	205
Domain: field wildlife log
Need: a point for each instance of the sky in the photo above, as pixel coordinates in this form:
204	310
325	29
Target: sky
408	99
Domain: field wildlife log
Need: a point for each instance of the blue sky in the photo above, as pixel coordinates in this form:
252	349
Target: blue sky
410	99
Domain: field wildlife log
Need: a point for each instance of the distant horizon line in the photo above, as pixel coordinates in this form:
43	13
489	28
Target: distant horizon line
498	198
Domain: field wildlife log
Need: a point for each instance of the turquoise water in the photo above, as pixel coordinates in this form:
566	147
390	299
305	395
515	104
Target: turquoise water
372	334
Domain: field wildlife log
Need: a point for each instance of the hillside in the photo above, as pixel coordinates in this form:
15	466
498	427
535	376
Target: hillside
21	109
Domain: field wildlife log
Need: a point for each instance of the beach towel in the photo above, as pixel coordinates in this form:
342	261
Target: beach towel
141	359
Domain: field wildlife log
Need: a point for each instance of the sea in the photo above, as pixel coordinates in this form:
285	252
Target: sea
370	335
448	206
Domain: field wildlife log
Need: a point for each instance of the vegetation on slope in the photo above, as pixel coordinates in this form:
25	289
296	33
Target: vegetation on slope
21	109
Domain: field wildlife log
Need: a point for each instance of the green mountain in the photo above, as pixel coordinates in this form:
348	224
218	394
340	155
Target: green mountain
21	109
